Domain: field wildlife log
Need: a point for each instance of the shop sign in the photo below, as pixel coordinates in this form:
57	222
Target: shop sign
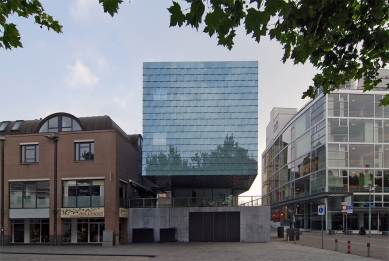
123	212
82	212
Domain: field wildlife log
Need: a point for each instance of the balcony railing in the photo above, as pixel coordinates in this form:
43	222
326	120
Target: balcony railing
231	201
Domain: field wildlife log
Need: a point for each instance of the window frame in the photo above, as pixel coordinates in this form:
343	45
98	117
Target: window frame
38	194
79	145
89	189
23	154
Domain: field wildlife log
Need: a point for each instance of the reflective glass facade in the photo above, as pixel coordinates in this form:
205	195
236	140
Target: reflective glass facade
336	143
200	119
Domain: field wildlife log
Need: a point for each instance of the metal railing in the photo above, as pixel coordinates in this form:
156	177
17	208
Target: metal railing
166	202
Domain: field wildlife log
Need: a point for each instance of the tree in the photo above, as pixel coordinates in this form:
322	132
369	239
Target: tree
344	39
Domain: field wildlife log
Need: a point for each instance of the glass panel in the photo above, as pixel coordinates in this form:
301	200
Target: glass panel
83	194
44	127
3	125
76	126
35	233
67	234
361	155
18	236
82	232
94	233
361	130
66	122
16	192
16	125
362	105
45	231
29	195
43	192
336	131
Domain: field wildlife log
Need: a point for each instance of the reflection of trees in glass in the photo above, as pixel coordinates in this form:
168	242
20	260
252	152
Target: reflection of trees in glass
88	155
227	158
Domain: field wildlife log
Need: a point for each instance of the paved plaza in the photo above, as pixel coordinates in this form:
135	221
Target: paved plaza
307	248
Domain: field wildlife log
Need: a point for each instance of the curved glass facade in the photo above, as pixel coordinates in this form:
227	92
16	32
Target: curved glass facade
200	118
337	143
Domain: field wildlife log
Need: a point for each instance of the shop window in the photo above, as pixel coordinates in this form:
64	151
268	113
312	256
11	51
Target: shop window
83	193
29	153
84	151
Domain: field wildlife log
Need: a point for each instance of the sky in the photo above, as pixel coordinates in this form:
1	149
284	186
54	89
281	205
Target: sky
94	67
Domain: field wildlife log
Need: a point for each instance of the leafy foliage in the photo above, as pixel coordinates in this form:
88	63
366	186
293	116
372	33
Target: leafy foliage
344	39
9	34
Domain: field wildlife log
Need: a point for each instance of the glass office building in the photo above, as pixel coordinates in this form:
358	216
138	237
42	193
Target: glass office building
200	127
330	152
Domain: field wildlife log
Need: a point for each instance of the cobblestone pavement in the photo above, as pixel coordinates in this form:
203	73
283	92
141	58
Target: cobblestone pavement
307	248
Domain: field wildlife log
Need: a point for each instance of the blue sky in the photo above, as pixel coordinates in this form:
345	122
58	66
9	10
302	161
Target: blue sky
95	66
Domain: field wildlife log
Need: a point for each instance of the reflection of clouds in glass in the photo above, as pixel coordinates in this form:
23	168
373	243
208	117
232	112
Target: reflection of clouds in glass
159	138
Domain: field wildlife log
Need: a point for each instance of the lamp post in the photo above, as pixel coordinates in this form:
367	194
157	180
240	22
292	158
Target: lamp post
370	187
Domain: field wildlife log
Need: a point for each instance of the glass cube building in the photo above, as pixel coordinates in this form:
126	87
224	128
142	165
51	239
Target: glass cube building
200	127
329	152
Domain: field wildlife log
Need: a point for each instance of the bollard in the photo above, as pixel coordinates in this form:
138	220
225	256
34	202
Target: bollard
288	238
348	247
368	249
336	245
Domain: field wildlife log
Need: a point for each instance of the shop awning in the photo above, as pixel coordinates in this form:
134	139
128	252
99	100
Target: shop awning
140	187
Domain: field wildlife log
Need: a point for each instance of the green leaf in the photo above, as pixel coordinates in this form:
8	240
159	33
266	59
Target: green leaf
110	6
274	6
385	100
213	20
11	37
254	20
176	17
195	15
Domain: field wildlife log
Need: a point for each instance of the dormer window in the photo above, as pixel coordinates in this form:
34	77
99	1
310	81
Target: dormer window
16	126
59	124
3	125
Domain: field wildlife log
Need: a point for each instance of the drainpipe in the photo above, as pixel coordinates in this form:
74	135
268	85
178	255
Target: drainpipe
2	140
54	139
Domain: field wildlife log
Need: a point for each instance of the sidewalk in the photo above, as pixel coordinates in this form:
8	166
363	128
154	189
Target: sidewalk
379	244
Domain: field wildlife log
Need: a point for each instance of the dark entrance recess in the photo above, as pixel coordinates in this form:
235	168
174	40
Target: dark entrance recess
167	234
214	227
142	235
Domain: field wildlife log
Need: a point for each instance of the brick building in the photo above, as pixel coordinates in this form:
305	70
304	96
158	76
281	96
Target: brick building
67	179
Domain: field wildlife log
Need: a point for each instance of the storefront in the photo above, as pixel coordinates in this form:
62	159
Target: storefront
30	231
79	227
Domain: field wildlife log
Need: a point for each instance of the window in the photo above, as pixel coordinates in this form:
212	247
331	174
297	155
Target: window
29	194
29	153
16	126
83	193
60	123
84	151
122	194
3	125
